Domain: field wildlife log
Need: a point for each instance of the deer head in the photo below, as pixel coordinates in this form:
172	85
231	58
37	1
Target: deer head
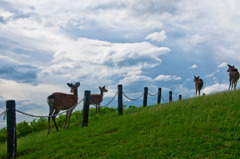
230	68
73	87
196	78
103	89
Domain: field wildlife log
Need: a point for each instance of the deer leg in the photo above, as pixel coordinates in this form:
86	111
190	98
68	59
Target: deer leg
96	109
229	83
99	109
49	119
69	115
53	118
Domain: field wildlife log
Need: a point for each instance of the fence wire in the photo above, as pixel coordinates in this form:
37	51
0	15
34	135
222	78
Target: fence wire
45	116
164	100
110	101
4	114
132	98
54	115
153	94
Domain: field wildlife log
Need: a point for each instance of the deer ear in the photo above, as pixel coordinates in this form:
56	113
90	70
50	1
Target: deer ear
229	65
198	77
78	83
69	84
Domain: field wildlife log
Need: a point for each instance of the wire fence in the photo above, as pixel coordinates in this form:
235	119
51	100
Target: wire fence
110	101
163	99
43	116
54	115
4	114
132	99
153	94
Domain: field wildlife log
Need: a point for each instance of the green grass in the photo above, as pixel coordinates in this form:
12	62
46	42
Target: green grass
202	127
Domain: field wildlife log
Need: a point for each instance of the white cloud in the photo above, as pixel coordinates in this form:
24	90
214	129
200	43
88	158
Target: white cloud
193	66
32	93
221	65
184	91
210	75
135	79
215	88
157	36
99	59
167	78
196	39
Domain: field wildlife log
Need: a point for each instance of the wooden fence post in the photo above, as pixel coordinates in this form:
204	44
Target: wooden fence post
11	129
170	96
86	108
145	96
120	100
180	97
159	95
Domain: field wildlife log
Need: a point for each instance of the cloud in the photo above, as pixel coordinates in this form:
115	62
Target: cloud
167	78
221	65
157	36
196	39
91	59
193	66
181	89
210	75
10	89
217	87
15	70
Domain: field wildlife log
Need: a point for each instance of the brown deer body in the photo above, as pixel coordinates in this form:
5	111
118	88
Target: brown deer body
233	77
96	99
198	84
61	101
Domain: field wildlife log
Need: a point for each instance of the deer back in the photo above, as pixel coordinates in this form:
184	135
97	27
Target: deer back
96	99
234	75
200	83
63	101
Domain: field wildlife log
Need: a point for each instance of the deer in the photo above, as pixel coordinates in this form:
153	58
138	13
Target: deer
96	99
61	101
233	77
198	84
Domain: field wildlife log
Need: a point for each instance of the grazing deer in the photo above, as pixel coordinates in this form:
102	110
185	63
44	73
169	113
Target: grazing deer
96	99
61	101
233	77
198	84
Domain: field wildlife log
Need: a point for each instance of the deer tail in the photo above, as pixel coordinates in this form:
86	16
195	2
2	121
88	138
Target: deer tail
50	101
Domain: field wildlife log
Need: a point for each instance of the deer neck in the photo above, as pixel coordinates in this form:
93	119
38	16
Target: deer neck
76	92
101	94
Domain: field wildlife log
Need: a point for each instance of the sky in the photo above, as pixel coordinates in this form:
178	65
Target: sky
155	43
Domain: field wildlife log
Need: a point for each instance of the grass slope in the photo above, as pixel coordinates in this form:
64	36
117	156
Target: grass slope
202	127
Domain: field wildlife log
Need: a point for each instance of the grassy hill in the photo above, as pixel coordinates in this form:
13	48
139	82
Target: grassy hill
201	127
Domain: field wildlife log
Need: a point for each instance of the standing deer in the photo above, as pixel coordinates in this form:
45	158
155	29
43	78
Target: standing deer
233	77
61	101
96	99
198	84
